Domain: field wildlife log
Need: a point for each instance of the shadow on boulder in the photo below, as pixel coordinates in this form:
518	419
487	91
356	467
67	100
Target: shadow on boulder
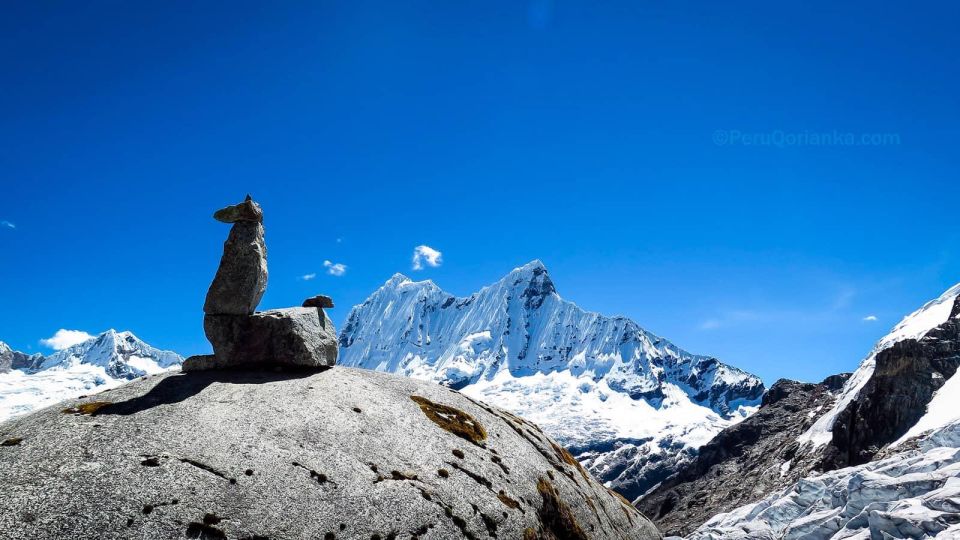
177	388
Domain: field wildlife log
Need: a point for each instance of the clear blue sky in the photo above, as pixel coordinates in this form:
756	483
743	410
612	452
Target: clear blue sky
580	133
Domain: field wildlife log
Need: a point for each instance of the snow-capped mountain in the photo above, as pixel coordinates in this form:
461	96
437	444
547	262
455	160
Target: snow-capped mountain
915	326
108	360
629	403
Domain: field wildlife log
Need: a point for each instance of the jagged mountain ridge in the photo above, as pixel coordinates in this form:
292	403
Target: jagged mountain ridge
630	403
105	361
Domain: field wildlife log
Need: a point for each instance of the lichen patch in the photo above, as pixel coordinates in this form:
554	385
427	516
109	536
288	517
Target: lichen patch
453	420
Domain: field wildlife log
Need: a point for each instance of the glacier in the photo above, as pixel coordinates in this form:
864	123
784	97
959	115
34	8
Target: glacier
628	403
912	494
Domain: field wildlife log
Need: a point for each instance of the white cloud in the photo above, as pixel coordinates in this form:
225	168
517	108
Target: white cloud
335	269
308	277
870	318
7	224
710	324
65	338
426	254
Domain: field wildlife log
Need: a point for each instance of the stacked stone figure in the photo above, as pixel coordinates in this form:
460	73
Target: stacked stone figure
241	336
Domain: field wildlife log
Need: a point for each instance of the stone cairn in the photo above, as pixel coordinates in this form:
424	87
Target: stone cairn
302	337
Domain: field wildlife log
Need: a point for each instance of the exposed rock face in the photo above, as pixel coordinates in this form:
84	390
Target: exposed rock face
744	462
905	378
11	359
242	276
342	453
286	337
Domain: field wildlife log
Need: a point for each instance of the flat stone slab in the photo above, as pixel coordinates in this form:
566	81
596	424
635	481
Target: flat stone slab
318	301
343	453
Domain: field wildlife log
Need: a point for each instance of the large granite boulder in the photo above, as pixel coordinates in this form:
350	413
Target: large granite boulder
297	337
241	278
341	453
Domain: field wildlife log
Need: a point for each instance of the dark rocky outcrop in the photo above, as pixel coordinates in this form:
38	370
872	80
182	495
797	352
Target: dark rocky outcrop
906	376
338	454
11	359
318	301
744	462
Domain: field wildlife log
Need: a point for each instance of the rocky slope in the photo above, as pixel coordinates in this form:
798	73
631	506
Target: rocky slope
904	389
341	453
630	404
105	361
745	462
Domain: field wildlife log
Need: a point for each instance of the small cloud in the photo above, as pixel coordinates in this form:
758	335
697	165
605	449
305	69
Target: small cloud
308	277
335	269
870	318
426	254
339	240
66	338
7	224
710	324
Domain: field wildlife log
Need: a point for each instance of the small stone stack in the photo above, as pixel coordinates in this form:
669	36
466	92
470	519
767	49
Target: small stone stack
301	337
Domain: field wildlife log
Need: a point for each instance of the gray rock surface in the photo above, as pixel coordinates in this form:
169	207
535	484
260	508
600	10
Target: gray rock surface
301	337
248	210
242	275
343	453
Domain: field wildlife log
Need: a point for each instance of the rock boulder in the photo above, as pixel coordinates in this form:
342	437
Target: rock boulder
339	454
241	278
295	337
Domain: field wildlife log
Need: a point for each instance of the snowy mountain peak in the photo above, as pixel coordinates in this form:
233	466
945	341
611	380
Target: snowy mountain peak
121	354
604	386
396	280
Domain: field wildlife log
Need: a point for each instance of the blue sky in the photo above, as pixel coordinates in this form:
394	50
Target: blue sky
686	164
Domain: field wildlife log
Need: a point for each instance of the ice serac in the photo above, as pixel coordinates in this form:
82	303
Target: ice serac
914	493
629	403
